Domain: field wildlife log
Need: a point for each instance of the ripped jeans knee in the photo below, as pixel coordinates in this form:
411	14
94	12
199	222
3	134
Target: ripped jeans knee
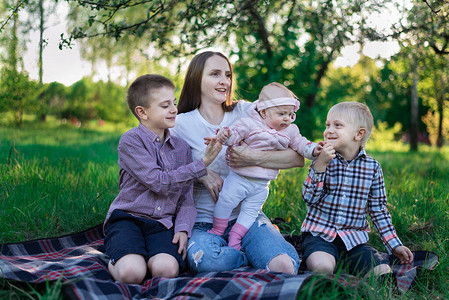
263	243
208	252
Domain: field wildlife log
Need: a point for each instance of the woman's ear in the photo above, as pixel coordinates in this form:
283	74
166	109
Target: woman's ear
263	113
360	134
141	112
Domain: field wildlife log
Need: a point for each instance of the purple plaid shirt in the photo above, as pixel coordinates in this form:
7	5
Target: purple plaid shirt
156	178
339	199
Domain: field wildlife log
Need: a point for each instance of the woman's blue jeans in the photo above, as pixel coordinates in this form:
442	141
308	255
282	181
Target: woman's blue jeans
208	252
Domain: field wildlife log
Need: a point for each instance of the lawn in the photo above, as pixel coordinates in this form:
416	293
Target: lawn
58	179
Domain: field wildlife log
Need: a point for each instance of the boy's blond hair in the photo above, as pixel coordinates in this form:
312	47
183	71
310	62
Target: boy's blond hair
275	90
357	114
140	90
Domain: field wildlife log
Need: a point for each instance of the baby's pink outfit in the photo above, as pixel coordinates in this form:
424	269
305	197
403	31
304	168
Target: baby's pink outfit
251	183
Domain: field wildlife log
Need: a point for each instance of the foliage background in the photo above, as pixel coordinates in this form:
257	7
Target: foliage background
292	42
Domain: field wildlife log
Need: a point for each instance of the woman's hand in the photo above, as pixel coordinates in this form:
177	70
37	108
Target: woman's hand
213	183
240	156
181	239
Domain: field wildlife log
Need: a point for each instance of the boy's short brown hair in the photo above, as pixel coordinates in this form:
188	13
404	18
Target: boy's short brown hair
139	91
357	114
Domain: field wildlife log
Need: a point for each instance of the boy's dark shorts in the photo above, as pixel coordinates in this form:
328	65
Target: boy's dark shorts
127	234
359	260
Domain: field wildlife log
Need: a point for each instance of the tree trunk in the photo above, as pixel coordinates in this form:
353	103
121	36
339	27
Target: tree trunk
13	56
440	139
41	40
43	115
310	98
414	112
14	62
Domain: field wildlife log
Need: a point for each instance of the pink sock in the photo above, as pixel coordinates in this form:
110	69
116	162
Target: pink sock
236	234
219	227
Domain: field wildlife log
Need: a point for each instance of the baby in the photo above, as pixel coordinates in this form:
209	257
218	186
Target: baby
267	128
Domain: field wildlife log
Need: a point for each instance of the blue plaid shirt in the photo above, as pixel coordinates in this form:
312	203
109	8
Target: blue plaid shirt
339	199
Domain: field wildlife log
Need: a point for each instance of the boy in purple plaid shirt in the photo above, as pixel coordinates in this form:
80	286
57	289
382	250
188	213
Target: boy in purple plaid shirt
345	184
149	222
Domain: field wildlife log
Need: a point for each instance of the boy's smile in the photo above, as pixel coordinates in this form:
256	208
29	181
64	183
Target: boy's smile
342	134
161	113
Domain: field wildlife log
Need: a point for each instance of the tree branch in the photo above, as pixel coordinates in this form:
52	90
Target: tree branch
435	12
15	10
261	30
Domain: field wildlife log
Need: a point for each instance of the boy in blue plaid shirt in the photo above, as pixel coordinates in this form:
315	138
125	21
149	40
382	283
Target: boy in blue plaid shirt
345	184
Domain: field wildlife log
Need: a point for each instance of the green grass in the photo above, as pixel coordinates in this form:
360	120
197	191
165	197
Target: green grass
57	179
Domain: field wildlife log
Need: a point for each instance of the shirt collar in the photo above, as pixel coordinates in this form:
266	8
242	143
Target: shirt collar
153	136
361	155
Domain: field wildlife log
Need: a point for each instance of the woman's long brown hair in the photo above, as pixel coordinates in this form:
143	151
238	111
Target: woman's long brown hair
190	97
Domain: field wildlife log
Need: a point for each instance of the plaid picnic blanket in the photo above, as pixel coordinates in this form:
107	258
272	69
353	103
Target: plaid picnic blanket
79	260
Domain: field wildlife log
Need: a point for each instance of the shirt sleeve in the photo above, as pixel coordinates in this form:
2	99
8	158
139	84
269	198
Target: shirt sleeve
381	218
313	186
300	144
142	164
239	131
186	211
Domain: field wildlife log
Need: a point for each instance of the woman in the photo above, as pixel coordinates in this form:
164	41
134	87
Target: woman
206	104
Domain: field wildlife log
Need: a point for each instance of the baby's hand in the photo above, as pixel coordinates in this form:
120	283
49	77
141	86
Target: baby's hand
325	157
404	254
223	135
318	148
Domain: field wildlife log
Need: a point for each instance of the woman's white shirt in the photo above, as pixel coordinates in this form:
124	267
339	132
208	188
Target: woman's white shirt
193	128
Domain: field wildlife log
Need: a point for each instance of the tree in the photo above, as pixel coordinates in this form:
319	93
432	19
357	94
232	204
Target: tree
54	96
295	42
434	89
11	39
18	94
38	12
423	24
385	88
392	90
292	42
17	30
17	91
80	104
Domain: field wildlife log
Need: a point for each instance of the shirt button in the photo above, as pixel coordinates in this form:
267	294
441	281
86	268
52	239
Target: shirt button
158	208
157	139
